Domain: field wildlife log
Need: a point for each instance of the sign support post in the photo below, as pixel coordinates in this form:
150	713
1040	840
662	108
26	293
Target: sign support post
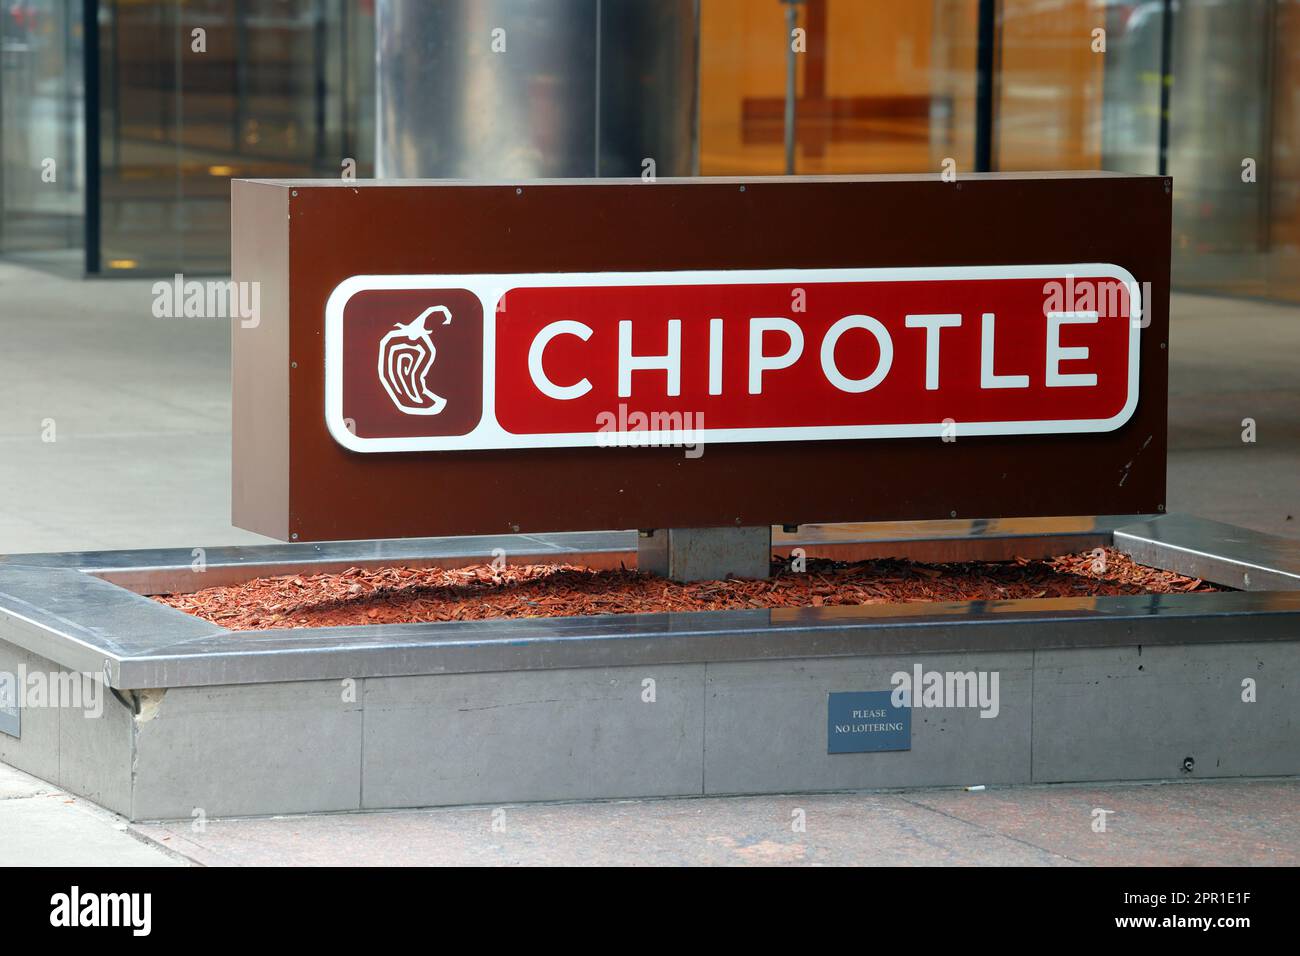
706	554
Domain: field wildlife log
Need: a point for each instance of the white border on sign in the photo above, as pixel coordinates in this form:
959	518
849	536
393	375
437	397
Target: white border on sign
489	288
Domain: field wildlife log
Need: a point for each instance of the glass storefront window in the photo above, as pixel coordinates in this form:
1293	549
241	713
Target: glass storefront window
1232	147
42	191
286	88
268	88
1079	84
882	87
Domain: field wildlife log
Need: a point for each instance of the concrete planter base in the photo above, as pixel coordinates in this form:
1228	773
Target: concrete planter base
202	720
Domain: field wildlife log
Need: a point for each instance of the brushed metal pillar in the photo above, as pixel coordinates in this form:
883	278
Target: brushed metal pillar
513	89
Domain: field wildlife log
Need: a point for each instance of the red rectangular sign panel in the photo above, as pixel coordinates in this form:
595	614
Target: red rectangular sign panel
418	363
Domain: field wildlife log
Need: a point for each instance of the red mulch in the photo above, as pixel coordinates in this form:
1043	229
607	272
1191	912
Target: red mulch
408	595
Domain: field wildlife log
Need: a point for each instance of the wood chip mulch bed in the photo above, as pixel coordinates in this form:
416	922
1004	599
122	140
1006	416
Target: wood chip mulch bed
408	595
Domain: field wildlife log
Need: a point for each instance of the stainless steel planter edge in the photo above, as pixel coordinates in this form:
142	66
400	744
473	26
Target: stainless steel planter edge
67	608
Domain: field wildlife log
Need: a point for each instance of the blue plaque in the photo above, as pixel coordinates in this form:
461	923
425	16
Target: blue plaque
861	722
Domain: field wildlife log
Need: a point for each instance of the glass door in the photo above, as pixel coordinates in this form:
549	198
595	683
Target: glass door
42	193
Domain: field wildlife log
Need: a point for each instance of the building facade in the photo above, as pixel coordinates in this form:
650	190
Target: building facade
122	121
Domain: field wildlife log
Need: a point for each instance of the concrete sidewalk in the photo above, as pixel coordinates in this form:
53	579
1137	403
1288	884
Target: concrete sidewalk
1233	823
1232	361
42	826
1228	823
116	425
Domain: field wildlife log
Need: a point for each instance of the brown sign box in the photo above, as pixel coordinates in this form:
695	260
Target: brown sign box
300	239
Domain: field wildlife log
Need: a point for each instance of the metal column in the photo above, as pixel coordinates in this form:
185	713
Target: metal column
483	89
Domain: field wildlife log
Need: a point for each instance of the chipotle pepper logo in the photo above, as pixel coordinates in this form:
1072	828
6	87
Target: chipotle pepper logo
406	357
411	363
